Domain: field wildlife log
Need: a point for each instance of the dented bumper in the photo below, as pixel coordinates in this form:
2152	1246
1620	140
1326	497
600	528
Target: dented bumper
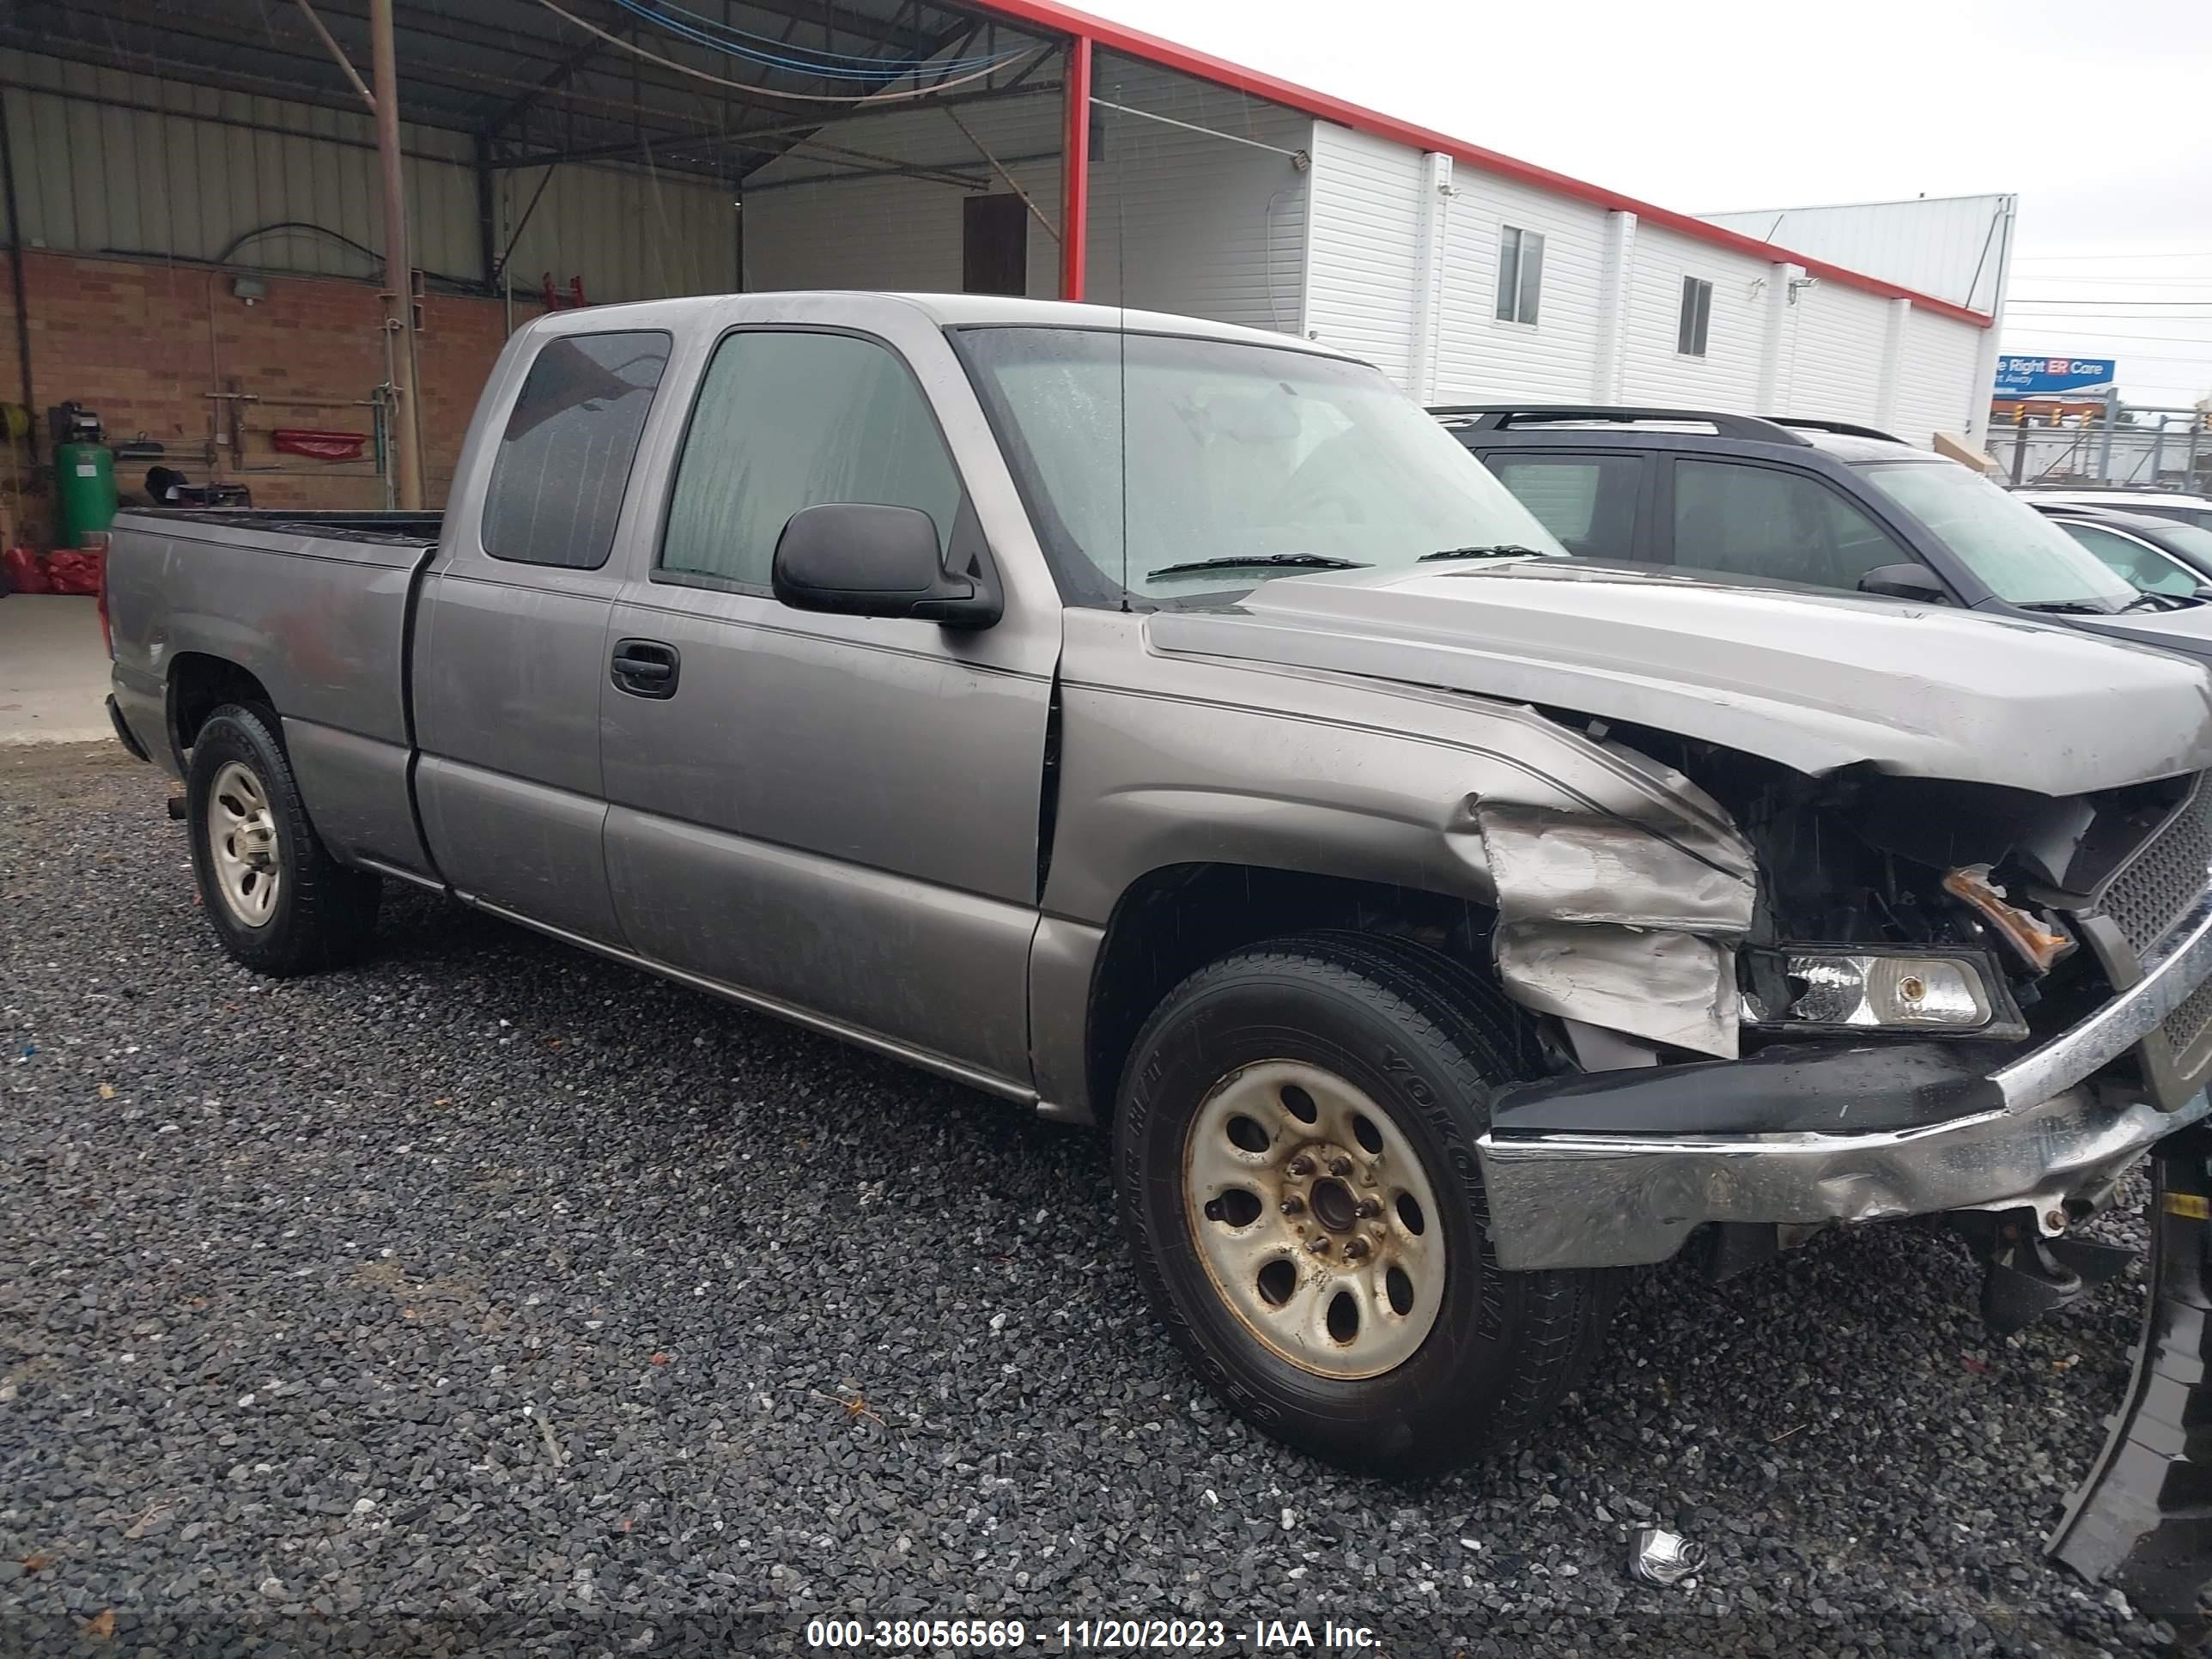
1618	1168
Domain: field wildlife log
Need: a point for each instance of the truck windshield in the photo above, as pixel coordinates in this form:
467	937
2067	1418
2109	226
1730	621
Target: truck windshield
2021	556
1234	452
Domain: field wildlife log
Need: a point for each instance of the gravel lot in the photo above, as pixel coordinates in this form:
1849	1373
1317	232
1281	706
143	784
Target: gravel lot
494	1298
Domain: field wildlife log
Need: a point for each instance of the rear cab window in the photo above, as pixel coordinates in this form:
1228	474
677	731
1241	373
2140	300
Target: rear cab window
564	459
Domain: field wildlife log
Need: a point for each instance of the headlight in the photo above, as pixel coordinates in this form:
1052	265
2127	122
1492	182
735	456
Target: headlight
1826	988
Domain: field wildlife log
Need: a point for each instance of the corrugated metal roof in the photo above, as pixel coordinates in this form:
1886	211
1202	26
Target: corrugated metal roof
734	82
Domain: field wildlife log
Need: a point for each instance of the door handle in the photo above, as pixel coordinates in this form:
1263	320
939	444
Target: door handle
645	668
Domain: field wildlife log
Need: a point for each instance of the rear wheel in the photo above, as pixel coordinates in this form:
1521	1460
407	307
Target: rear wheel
278	900
1294	1148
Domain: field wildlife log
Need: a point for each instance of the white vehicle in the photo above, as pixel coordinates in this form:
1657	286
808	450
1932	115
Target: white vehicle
2158	503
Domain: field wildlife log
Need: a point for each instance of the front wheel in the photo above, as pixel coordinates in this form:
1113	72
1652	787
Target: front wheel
280	902
1294	1149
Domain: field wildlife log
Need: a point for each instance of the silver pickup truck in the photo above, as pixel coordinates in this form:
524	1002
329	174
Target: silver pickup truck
1169	727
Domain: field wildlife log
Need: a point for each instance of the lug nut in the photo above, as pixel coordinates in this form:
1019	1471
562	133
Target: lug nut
1354	1248
1319	1247
1339	1166
1294	1204
1368	1209
1300	1165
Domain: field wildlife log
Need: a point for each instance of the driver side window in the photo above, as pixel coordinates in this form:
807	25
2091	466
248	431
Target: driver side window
1764	521
790	420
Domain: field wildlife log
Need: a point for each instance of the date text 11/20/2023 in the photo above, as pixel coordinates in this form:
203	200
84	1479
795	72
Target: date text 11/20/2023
1259	1636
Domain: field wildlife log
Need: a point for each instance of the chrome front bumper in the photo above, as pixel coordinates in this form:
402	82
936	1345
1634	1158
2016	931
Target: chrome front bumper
1620	1200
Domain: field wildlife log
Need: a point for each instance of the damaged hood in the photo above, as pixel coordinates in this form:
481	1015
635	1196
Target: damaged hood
1813	681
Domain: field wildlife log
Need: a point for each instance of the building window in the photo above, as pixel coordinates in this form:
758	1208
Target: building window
1520	274
1697	312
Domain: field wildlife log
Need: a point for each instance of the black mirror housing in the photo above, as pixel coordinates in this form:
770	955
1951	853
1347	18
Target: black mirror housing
856	559
1906	581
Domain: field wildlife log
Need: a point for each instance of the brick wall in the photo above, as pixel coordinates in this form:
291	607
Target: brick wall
141	343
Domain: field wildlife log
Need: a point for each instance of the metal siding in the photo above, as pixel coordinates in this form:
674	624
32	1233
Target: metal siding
1186	222
1366	232
1479	357
1212	229
1831	347
629	234
1937	389
95	179
899	233
1652	371
1944	247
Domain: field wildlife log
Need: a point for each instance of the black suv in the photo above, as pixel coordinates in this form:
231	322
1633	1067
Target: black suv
1808	504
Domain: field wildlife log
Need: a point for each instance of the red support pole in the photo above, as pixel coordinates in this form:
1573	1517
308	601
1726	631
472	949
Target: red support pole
1075	169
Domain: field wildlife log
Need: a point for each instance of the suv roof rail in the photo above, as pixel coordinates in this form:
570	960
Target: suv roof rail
1841	428
1499	417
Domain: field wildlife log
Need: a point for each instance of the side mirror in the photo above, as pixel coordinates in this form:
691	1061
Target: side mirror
851	559
1906	581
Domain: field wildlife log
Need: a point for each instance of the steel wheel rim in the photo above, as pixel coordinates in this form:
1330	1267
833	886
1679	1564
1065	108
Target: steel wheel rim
242	845
1321	1233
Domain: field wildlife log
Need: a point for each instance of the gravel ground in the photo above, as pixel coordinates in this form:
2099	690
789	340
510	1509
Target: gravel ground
492	1297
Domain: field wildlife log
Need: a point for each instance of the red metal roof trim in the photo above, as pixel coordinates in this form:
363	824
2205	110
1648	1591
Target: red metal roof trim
1135	43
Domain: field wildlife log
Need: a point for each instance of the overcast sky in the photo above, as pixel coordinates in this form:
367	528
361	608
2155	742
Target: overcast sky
2093	111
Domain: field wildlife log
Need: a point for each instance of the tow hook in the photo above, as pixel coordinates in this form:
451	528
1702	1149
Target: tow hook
2026	1273
2143	1516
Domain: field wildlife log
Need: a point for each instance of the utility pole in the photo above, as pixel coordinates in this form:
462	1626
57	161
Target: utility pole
398	294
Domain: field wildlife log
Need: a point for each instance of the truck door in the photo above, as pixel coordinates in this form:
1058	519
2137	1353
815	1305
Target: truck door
834	816
510	653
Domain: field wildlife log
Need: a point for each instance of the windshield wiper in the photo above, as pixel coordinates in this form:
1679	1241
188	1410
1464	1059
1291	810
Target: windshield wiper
2069	607
1302	561
2148	600
1502	549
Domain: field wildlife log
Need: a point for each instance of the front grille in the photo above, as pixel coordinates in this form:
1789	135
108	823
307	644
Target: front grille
2185	1026
2164	878
2146	898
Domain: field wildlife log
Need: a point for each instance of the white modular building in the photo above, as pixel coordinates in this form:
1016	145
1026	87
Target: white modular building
1468	276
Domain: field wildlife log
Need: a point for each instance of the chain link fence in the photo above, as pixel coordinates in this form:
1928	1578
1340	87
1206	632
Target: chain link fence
2117	445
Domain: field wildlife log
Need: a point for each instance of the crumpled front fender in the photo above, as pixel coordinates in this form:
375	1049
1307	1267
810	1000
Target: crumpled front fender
1625	922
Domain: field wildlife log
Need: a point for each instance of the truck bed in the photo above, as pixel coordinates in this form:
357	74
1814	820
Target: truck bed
315	608
404	528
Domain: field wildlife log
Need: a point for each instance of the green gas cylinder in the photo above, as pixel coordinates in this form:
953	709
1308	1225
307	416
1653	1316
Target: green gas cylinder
84	492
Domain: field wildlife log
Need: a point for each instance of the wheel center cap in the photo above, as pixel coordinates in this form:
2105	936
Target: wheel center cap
1333	1206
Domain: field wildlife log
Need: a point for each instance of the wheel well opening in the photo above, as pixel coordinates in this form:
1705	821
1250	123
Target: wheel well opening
1174	920
199	685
